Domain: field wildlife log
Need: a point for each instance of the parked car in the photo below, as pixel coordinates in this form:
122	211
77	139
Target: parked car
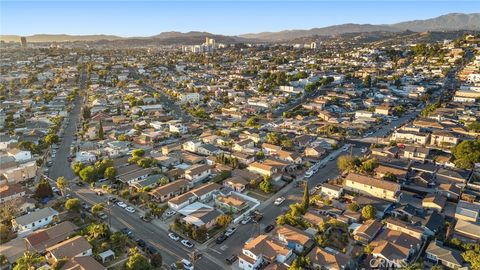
230	260
187	243
126	231
308	174
173	236
146	218
121	204
246	220
269	228
141	243
130	209
256	216
80	183
187	264
170	213
221	239
229	232
279	200
112	199
102	215
152	250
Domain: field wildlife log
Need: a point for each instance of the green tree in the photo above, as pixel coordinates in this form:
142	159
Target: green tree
77	167
110	173
368	249
156	260
43	189
367	81
29	261
73	205
368	212
473	258
467	153
97	208
97	231
272	138
353	207
138	153
51	139
306	198
88	174
118	242
347	163
86	113
136	261
62	184
266	185
259	155
100	133
224	220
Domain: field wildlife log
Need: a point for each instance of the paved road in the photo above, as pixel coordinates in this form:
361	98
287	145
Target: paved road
60	165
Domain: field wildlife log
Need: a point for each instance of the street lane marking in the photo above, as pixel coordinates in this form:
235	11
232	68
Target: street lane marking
216	251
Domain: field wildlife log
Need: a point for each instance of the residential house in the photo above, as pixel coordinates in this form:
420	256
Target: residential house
292	237
405	227
262	250
19	155
467	231
416	153
332	191
170	190
14	172
200	215
236	183
83	263
76	246
371	186
437	253
468	211
367	231
30	222
444	138
42	239
231	203
197	173
330	260
434	201
243	145
9	192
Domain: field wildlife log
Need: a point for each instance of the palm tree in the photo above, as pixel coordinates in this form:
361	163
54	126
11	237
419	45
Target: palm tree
62	184
28	261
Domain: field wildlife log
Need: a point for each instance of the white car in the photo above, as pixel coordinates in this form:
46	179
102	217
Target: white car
308	174
170	213
187	243
230	231
279	200
55	189
122	204
246	220
173	236
130	209
187	264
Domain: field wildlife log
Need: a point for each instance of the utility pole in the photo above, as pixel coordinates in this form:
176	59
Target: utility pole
193	258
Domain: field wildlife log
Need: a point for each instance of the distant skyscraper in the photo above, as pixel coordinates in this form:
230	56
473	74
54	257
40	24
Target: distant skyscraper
24	42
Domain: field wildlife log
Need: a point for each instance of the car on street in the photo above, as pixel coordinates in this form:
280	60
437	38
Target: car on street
146	218
230	260
256	216
126	231
221	239
121	204
112	199
152	250
229	232
331	158
269	228
141	243
80	183
187	243
99	193
187	264
170	213
102	216
279	200
308	174
130	209
246	220
174	236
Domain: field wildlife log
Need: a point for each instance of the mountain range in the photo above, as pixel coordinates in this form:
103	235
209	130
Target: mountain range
448	22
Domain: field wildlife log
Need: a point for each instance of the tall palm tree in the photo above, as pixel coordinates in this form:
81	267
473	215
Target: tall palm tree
28	261
62	184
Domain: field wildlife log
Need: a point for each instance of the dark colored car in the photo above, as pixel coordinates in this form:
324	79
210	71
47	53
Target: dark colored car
256	216
126	231
80	184
221	239
269	228
141	243
151	250
230	260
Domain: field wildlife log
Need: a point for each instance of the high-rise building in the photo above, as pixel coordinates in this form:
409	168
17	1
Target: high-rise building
24	42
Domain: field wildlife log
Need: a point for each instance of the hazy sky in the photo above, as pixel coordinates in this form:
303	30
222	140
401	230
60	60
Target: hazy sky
144	18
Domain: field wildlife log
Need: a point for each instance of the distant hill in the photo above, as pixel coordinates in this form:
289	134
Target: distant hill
449	22
58	38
